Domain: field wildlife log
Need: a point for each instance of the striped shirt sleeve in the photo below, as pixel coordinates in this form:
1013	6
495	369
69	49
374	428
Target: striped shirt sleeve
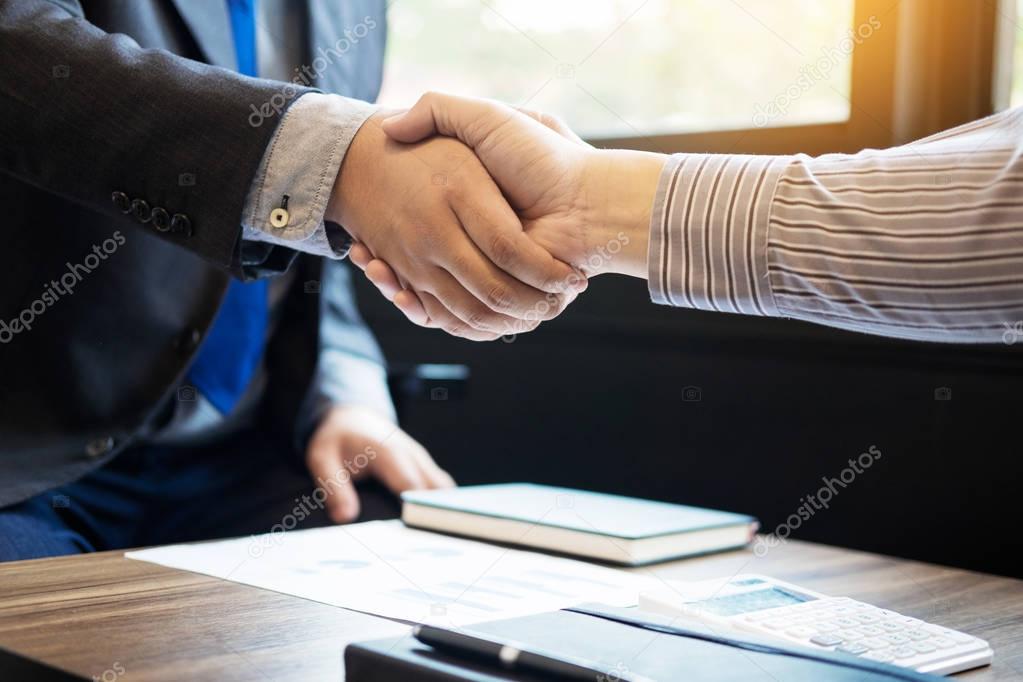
923	241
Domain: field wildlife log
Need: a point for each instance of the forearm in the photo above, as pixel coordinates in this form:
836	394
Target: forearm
917	242
108	116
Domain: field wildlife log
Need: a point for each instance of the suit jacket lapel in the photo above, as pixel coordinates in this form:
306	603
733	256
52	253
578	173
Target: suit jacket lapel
210	24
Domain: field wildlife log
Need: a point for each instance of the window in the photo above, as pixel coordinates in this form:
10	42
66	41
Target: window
1016	97
634	68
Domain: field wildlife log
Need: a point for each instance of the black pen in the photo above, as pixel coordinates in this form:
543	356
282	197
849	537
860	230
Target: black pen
502	655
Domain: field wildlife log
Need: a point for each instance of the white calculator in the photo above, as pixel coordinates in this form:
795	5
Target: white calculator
766	606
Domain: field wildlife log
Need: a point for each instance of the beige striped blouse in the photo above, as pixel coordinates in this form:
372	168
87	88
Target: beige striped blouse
923	241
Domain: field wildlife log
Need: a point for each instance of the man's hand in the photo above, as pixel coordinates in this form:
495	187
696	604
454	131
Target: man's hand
587	207
352	443
434	215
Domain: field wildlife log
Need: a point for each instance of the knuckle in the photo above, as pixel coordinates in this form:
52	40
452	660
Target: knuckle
425	236
459	263
545	308
456	329
479	319
499	297
502	251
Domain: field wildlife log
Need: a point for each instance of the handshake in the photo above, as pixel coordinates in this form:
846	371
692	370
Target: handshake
484	220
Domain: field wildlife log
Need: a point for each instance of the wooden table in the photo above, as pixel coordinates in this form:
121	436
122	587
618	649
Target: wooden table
103	613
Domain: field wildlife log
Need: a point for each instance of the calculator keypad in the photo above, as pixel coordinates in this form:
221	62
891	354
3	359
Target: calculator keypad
852	627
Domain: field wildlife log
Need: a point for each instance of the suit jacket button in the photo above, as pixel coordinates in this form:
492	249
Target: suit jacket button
140	209
99	446
161	219
121	201
181	224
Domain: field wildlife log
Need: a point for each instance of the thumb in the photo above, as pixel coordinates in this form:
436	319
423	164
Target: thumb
469	119
411	125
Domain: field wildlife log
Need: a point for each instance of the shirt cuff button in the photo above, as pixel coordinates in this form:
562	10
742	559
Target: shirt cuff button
279	218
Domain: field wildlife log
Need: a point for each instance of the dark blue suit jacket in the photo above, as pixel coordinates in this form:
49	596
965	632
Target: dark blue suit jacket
104	101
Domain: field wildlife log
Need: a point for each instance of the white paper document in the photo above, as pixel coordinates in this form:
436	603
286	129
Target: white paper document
384	568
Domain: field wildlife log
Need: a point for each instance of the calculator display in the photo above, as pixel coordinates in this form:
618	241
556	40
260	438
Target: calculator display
755	600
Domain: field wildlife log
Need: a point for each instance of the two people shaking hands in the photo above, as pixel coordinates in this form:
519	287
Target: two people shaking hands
161	358
504	219
505	213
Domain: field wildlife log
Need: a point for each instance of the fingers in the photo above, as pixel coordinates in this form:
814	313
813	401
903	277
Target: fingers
462	300
388	283
397	469
360	255
497	232
412	306
500	280
442	318
381	275
473	289
436	477
404	300
433	475
493	226
326	464
408	303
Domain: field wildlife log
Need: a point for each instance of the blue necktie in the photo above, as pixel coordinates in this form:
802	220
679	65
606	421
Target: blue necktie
228	358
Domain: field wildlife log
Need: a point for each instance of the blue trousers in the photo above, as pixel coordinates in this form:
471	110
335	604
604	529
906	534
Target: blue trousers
152	495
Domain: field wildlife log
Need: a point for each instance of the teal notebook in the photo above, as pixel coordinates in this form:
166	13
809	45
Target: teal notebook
613	528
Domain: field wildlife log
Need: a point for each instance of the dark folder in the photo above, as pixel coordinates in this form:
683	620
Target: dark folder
621	644
17	668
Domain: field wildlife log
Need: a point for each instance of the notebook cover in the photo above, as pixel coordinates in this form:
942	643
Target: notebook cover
627	518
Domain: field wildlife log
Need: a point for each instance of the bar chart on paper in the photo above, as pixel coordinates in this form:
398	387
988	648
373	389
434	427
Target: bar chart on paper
386	569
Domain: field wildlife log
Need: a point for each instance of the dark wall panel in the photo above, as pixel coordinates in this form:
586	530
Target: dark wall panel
596	400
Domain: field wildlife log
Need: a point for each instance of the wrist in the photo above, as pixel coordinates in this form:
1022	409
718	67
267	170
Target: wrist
350	186
619	189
